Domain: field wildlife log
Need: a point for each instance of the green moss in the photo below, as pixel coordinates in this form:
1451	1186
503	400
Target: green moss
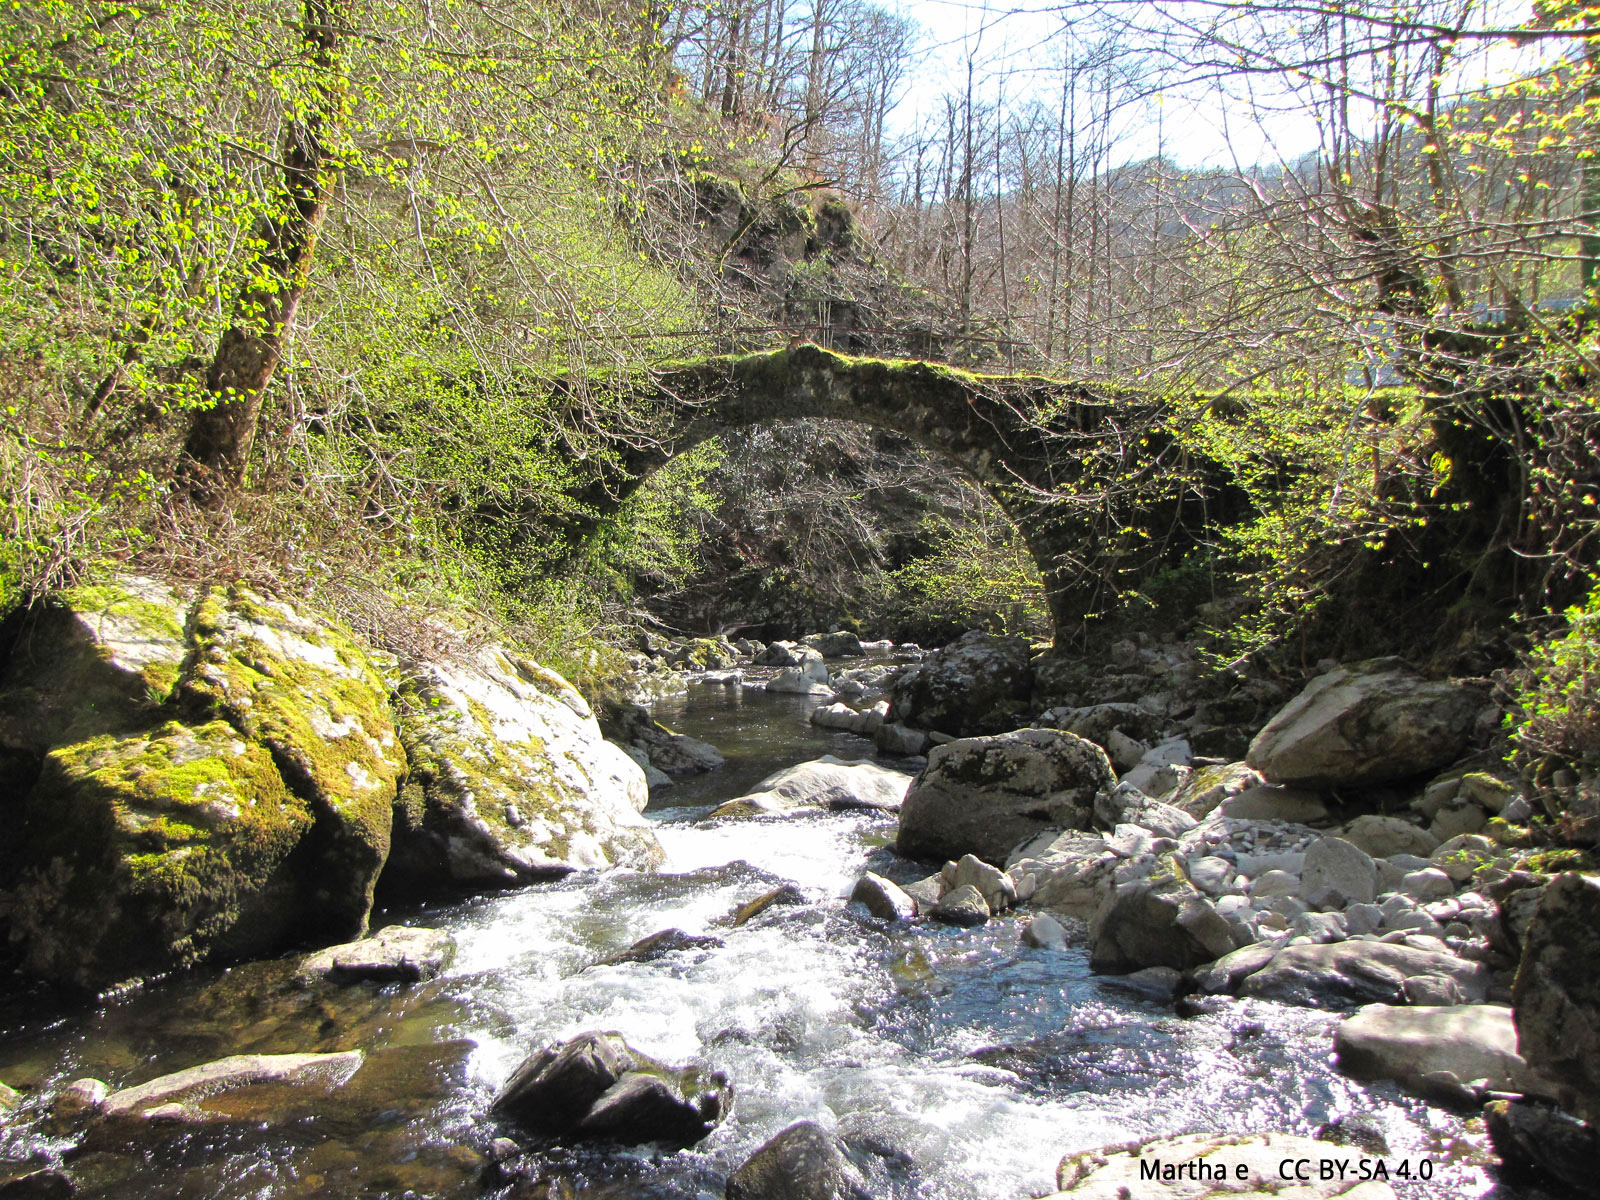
150	851
134	618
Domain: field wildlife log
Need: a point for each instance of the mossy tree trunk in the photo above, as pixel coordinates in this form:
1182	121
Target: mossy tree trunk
221	435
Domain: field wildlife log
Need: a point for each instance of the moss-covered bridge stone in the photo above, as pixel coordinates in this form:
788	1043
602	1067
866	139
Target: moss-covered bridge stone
1093	477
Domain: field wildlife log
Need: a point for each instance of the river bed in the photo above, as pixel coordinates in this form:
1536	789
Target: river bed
961	1064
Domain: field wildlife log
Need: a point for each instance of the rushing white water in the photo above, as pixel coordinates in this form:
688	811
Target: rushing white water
959	1064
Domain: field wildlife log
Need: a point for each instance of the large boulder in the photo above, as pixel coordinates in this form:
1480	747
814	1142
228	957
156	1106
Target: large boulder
703	654
987	795
1557	992
1370	723
1202	1166
153	851
303	687
596	1087
979	684
666	750
1161	920
825	783
511	781
839	644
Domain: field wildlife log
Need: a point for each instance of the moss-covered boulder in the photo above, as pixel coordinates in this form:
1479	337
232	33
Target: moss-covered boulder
511	781
91	660
302	686
153	851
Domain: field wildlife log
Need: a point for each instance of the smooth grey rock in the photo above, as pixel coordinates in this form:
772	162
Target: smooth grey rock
1274	883
895	738
883	898
827	782
964	905
839	644
1472	1042
1457	817
1382	836
1045	932
1264	802
1126	805
987	795
1335	864
1159	921
1427	884
1371	723
176	1097
797	681
1212	875
1072	871
1341	974
395	954
998	890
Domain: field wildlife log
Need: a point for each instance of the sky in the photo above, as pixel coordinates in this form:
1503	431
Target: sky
1016	46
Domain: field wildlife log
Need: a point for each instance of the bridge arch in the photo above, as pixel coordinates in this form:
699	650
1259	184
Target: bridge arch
1079	471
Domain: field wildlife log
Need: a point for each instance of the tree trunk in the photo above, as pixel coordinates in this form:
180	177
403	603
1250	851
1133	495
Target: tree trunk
220	437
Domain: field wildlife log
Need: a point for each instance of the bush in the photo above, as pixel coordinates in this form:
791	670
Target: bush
1557	697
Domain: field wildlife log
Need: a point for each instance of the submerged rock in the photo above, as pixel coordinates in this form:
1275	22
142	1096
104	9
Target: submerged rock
511	781
596	1087
659	945
803	1162
1199	1166
988	795
1370	723
963	906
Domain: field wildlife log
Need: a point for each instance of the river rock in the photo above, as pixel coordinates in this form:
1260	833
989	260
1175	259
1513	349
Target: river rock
1127	805
987	795
187	1098
1383	836
1342	974
803	1162
1158	921
1045	933
511	781
187	834
839	644
395	954
978	684
1415	1046
660	944
31	1181
1337	873
669	752
883	898
596	1086
1557	992
303	687
994	885
1538	1139
1369	723
96	659
1071	872
1263	802
703	654
1208	787
780	654
1202	1166
801	681
824	783
963	905
902	740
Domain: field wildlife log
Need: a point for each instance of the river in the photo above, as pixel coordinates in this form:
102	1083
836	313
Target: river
961	1064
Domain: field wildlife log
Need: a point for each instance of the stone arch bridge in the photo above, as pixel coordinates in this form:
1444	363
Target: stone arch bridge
1093	479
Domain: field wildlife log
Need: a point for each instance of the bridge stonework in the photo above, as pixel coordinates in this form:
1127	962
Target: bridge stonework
1093	479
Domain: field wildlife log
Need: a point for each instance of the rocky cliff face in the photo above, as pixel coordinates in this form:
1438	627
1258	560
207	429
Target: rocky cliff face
186	777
